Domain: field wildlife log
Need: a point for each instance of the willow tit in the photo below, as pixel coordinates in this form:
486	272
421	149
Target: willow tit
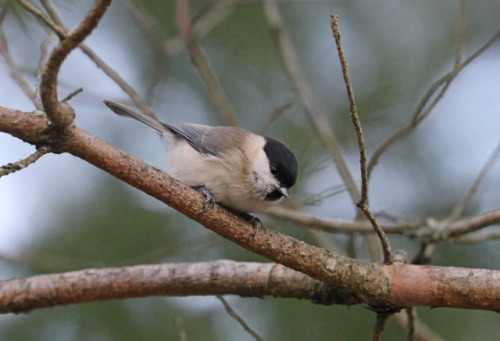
238	169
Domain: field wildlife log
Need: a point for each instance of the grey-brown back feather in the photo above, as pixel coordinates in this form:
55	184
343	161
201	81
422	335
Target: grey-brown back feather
204	139
211	140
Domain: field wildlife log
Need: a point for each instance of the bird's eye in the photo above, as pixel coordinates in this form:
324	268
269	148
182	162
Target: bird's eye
273	170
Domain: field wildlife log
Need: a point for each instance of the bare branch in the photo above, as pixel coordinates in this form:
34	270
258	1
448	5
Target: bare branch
410	312
44	52
14	71
421	331
419	114
210	278
273	116
181	327
379	326
72	94
16	166
117	78
39	15
461	31
470	224
335	226
48	86
239	319
200	61
363	200
4	11
100	63
51	11
462	204
203	24
410	285
474	238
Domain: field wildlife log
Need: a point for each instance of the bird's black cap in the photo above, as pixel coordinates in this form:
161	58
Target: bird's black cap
282	162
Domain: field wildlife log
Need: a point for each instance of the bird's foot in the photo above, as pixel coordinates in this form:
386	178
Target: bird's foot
255	221
209	199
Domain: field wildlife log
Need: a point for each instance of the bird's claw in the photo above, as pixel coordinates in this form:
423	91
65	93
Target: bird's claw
209	199
255	221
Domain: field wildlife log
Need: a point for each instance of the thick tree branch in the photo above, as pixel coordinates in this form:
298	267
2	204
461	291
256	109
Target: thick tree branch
211	278
411	285
434	286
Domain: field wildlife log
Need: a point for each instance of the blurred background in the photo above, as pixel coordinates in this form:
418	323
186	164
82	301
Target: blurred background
62	214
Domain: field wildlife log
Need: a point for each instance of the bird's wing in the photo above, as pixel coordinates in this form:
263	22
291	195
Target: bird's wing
210	140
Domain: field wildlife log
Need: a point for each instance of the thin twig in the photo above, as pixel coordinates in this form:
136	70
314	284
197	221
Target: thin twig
419	114
462	28
462	204
203	24
13	70
410	312
51	11
165	48
384	241
423	256
410	228
312	105
478	237
239	319
354	112
334	226
181	328
215	91
72	94
273	116
118	79
421	330
38	13
4	11
363	200
379	326
474	223
16	166
153	32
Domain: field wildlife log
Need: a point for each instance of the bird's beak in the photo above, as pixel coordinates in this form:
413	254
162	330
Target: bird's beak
285	192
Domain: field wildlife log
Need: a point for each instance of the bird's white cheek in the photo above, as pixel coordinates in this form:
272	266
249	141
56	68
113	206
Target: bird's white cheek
264	181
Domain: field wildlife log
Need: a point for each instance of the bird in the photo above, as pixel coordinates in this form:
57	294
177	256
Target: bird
240	170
